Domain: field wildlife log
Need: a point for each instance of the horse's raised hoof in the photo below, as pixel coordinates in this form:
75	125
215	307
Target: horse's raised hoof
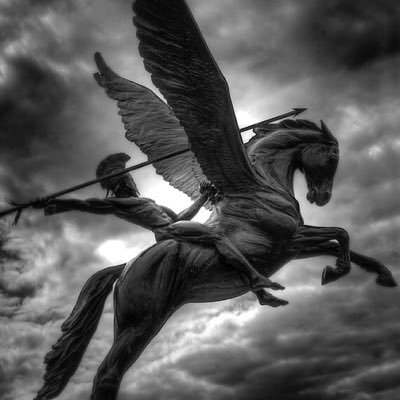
386	279
330	275
267	299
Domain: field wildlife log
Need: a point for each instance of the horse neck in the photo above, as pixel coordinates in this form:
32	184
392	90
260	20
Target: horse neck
284	165
279	165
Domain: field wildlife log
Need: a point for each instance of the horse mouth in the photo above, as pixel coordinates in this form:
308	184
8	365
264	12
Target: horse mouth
320	198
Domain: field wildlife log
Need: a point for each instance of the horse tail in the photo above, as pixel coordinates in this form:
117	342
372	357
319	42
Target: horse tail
77	330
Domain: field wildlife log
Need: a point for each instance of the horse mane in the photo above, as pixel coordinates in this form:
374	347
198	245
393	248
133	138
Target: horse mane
297	124
288	132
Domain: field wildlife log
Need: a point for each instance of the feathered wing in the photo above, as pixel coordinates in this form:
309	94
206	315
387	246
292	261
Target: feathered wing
185	72
152	126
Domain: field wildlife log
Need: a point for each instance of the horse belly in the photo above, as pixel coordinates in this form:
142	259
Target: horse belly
169	274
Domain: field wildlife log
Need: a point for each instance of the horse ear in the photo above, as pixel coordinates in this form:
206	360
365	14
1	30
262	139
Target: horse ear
327	133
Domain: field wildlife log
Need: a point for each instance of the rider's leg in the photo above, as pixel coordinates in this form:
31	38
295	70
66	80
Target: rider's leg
200	233
197	232
267	299
236	259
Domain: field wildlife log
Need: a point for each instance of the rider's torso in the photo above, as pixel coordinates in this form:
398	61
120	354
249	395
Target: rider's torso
145	213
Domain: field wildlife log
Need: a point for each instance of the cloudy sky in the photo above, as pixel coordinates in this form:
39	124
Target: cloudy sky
340	59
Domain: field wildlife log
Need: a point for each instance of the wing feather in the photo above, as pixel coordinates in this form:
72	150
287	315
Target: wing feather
185	72
153	127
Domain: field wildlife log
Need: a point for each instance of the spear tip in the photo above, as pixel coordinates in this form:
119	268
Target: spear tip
298	111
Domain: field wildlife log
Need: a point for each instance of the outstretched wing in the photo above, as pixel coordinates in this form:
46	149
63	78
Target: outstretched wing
152	126
184	70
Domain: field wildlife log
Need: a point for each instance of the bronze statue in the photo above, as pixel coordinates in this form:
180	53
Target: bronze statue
257	211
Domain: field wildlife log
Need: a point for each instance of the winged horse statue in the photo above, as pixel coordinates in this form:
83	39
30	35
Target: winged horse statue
257	211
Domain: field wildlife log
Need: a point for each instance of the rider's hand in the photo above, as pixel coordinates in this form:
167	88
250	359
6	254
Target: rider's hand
50	209
47	204
41	202
207	189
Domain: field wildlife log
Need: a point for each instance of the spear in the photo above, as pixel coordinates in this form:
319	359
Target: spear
19	207
294	113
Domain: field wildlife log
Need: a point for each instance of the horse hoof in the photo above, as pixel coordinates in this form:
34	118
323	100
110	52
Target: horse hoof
330	275
386	279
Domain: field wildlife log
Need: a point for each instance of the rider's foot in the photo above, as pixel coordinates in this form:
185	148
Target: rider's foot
332	274
386	279
260	281
267	299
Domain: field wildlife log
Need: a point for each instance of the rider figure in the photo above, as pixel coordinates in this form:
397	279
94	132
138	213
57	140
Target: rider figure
165	223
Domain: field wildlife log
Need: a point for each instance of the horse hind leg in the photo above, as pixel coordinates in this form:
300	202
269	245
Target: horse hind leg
128	345
144	299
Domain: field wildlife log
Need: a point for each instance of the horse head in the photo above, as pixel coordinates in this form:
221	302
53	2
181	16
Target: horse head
318	162
278	150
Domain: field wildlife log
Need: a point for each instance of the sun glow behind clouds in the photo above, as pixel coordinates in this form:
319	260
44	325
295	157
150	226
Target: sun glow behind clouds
116	251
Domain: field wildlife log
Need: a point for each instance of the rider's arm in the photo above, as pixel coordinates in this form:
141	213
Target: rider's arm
170	213
207	192
95	206
187	214
190	212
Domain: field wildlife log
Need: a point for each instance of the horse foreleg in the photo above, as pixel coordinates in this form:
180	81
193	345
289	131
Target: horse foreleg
309	236
327	248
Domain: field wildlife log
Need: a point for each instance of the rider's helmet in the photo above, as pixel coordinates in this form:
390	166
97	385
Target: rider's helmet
121	186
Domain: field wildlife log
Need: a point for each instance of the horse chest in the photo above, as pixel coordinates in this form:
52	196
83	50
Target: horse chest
278	225
273	217
260	230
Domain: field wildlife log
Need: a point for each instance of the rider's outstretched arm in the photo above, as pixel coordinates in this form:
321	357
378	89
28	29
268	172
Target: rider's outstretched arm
95	206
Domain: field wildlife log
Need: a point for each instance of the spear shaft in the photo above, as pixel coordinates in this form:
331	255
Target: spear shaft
296	111
93	181
20	207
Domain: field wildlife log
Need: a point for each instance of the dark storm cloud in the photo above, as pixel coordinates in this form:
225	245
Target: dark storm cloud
283	42
31	101
44	317
6	254
304	358
211	365
39	127
21	360
15	286
18	288
350	34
